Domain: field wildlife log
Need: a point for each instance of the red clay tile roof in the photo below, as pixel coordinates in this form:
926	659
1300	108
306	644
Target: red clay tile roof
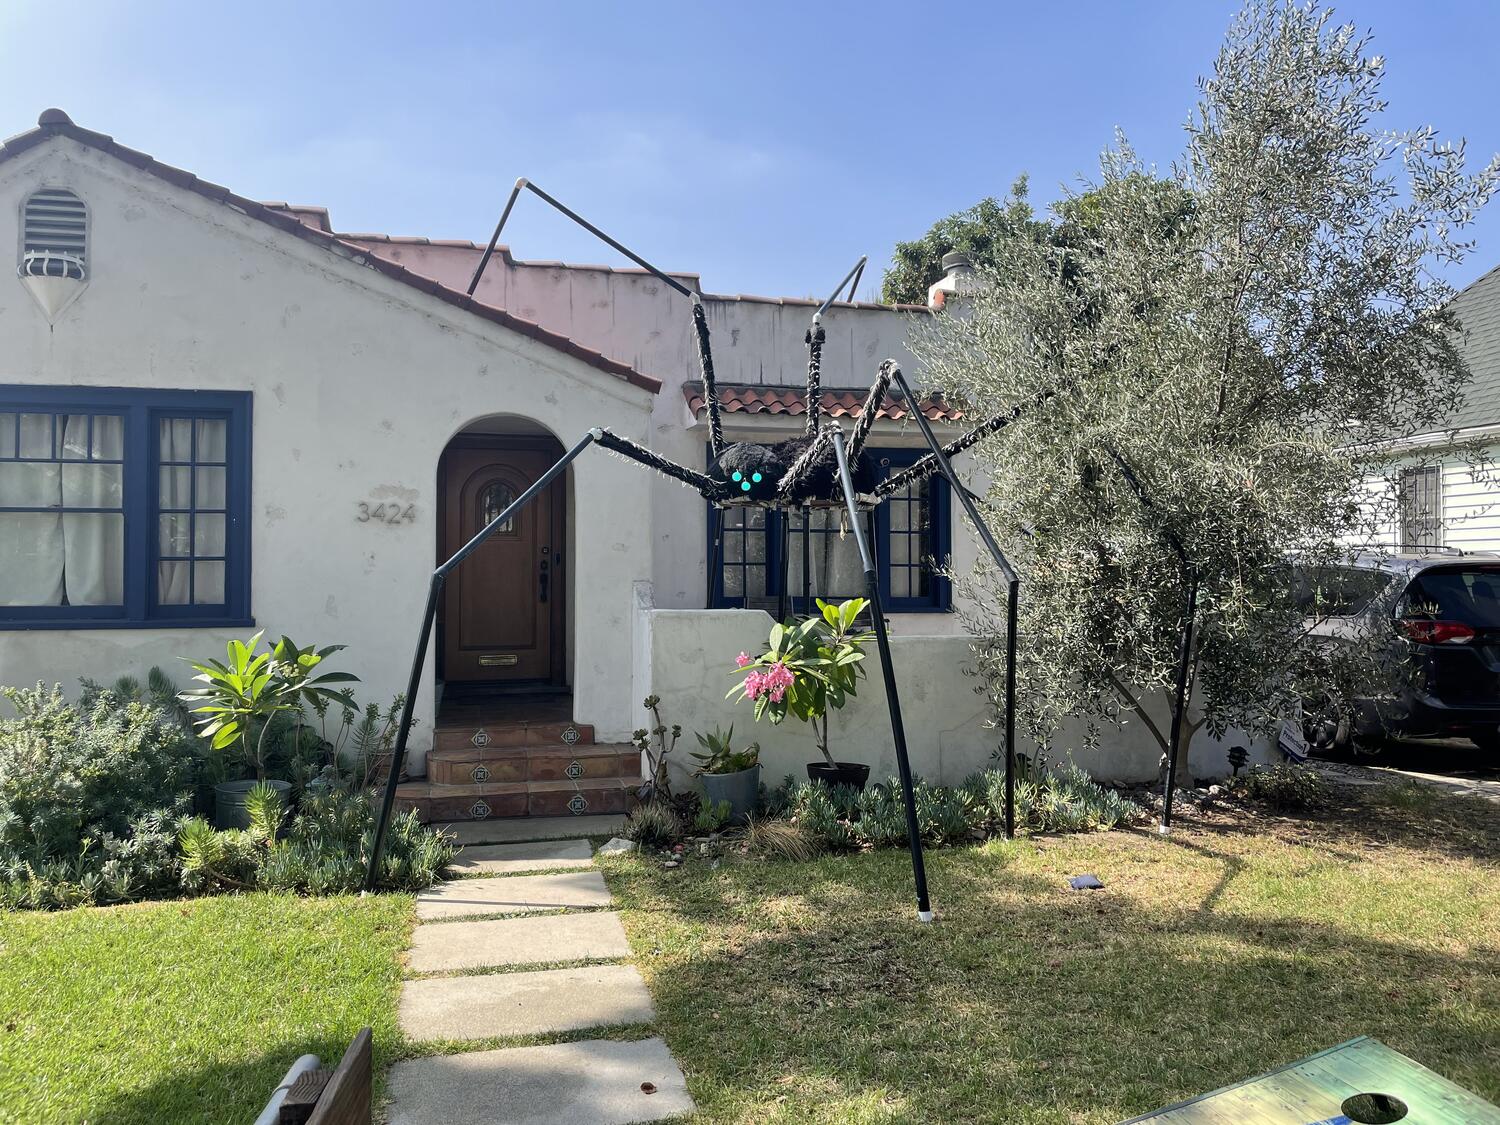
751	398
55	123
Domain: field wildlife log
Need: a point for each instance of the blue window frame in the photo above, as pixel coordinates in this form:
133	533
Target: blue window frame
123	507
911	532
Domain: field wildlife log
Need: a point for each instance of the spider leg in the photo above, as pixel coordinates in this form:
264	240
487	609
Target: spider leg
791	480
871	408
814	342
705	484
710	386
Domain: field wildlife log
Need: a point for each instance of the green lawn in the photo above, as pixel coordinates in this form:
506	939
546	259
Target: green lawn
188	1011
809	992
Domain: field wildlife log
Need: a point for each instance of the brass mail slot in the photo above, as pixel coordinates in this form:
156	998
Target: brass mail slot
499	660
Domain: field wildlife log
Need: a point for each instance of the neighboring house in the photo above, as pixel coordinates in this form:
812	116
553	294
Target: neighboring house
218	415
1438	498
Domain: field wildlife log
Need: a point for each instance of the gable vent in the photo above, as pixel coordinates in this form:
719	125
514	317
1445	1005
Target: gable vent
54	234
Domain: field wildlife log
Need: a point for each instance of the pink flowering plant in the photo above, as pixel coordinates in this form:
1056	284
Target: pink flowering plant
810	666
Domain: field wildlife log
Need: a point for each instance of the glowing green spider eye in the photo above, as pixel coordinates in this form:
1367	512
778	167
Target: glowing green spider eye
738	475
756	478
746	486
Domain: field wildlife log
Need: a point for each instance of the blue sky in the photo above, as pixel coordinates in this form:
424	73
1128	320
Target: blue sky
766	145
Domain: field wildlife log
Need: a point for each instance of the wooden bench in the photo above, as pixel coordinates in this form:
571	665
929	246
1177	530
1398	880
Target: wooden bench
339	1097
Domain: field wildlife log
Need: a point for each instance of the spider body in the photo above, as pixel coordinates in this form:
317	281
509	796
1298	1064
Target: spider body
798	471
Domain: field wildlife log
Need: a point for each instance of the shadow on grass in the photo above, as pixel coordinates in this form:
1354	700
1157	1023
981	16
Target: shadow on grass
810	992
198	1092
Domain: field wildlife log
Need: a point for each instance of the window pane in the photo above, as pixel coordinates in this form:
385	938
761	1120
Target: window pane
734	582
734	547
172	583
31	558
93	486
211	491
75	438
109	437
30	485
36	435
176	439
208	583
94	562
211	439
208	535
7	435
176	487
176	536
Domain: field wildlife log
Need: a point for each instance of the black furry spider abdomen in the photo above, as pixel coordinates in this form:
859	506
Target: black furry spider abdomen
788	472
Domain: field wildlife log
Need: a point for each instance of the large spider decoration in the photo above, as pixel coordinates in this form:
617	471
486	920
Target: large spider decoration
817	469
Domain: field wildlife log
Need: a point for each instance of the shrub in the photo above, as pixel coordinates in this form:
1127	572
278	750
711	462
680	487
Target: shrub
1285	788
325	850
1055	799
782	839
712	816
73	774
653	824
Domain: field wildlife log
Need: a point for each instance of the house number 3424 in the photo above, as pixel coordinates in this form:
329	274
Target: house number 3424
386	513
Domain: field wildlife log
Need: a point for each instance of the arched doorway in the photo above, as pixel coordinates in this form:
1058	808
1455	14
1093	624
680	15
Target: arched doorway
503	622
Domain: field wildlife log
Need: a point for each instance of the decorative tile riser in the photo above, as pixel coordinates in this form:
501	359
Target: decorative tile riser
448	803
516	764
491	735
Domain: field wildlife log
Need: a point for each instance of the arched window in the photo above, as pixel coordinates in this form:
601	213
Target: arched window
54	235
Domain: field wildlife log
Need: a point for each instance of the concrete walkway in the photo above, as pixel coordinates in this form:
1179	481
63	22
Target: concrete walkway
527	948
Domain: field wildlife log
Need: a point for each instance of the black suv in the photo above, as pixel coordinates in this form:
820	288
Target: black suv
1441	612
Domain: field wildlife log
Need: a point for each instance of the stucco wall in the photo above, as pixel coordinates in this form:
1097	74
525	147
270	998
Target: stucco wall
358	383
692	666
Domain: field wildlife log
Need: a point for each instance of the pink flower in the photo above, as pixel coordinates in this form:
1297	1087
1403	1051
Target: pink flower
777	680
742	659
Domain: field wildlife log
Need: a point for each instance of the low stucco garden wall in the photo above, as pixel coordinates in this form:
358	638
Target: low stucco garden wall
692	668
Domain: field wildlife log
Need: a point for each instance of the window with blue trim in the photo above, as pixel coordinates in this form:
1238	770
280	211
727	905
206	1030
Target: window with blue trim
123	507
911	538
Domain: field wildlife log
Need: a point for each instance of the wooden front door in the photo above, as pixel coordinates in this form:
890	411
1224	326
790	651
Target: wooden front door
503	606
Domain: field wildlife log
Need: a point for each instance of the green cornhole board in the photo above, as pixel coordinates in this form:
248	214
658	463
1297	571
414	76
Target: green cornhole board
1314	1090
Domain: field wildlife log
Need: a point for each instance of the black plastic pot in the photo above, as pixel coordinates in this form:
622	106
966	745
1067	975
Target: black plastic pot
844	773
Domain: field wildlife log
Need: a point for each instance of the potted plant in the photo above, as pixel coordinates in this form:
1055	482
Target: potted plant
239	700
810	666
729	774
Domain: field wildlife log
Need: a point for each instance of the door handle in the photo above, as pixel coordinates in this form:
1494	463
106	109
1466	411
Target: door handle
543	581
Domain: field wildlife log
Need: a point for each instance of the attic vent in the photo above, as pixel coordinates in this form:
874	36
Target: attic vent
54	235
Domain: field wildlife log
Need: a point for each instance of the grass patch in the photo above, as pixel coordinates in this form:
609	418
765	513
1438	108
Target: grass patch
188	1011
809	991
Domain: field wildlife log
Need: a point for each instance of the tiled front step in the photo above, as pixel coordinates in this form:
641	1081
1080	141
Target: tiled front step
524	1003
469	736
443	803
593	1082
475	765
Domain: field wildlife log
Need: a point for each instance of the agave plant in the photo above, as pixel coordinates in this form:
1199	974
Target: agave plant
241	696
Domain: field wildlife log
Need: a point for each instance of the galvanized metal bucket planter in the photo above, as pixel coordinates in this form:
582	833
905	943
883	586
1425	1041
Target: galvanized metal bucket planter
741	790
229	801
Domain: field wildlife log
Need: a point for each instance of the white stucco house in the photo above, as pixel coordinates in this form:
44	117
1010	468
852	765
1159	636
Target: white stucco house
219	415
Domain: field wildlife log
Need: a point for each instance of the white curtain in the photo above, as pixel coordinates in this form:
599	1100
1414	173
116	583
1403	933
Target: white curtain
199	533
93	542
53	555
31	543
835	563
173	579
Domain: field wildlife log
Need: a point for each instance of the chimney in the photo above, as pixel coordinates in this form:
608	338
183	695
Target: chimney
959	280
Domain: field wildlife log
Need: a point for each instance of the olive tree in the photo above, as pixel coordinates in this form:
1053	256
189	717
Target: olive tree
1210	364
